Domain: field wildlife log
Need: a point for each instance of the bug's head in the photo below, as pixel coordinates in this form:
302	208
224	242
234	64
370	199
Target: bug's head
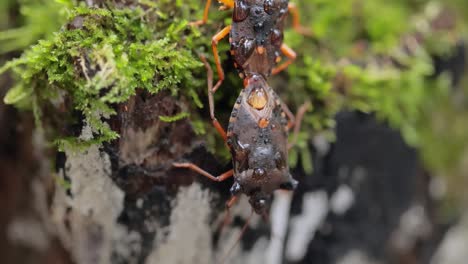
260	198
264	170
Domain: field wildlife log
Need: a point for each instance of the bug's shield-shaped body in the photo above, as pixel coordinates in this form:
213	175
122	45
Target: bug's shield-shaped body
257	34
258	139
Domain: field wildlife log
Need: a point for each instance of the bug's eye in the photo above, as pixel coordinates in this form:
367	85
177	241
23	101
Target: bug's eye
241	10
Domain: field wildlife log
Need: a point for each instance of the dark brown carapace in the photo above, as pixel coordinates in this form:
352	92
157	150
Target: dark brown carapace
258	140
256	36
258	128
257	136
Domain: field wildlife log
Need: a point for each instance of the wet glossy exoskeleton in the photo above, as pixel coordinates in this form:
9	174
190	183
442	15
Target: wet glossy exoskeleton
255	36
257	136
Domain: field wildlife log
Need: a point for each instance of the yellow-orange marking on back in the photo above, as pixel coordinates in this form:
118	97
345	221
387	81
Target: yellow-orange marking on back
260	50
263	122
258	99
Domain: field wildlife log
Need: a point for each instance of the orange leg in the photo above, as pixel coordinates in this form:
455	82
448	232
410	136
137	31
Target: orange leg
289	114
298	121
221	131
292	8
201	171
231	202
216	124
227	217
214	43
291	57
227	3
218	127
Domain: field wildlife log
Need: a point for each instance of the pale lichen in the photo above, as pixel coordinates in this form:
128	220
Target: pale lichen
189	230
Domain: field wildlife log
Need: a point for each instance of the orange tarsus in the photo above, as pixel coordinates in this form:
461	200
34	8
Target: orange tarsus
231	202
227	217
195	168
294	11
220	129
227	5
205	15
291	54
214	44
216	124
290	115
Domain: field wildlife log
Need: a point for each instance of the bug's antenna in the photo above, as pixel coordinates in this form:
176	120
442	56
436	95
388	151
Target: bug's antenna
244	228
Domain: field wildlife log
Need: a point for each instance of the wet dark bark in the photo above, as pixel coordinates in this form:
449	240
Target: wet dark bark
26	184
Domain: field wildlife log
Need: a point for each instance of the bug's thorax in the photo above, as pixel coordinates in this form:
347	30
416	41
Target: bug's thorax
257	34
257	137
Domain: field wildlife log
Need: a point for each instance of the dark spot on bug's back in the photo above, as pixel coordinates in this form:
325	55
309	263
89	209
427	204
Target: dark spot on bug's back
241	11
277	38
269	6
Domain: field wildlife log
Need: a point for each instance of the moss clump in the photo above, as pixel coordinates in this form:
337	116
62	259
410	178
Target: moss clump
372	61
100	59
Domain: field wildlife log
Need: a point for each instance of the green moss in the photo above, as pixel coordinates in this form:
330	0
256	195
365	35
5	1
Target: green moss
100	60
366	59
174	118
